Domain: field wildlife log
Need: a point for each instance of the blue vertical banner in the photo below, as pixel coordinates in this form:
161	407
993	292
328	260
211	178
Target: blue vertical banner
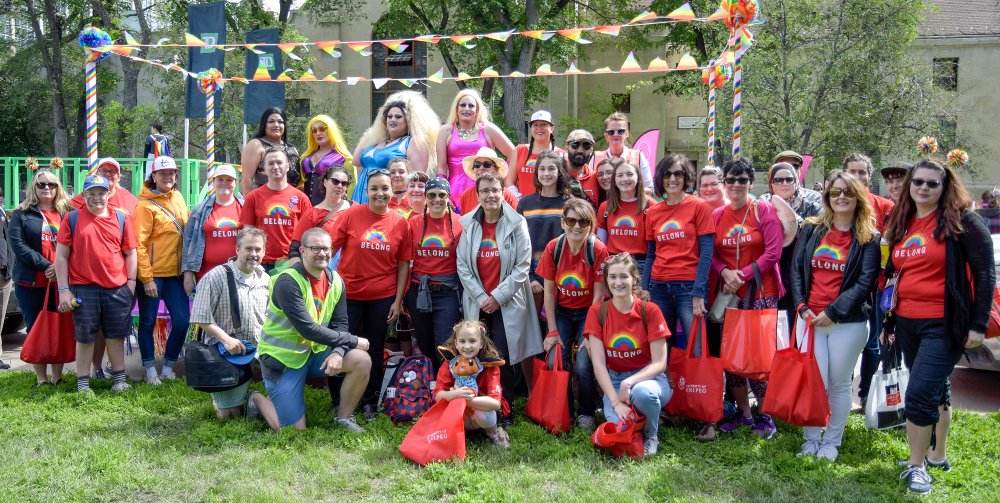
207	22
260	95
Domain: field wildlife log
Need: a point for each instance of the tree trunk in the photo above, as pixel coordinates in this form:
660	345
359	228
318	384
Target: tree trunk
513	107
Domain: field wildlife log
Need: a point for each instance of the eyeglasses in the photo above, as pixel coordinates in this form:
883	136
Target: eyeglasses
490	191
586	145
732	180
783	180
615	132
338	183
107	172
318	249
466	105
436	195
319	128
674	174
931	184
46	185
836	192
483	164
383	172
581	222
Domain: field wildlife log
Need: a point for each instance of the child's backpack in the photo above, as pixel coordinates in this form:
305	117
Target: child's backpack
410	393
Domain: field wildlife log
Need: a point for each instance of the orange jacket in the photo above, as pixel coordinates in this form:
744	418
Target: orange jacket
160	239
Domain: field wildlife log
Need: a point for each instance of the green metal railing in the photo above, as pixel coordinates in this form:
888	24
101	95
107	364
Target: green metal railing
15	177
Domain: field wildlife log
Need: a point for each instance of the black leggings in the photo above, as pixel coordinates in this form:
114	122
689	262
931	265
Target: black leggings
366	318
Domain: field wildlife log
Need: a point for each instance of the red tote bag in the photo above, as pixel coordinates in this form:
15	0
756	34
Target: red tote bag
439	435
548	404
993	326
623	438
50	340
700	379
796	393
749	337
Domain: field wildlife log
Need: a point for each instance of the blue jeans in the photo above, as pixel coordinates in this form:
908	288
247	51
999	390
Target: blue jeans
648	397
433	329
171	291
570	322
31	300
674	300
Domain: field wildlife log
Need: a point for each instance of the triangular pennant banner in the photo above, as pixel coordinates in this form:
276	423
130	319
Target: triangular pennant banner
261	73
658	65
253	48
463	76
163	41
379	82
353	80
516	74
686	63
501	36
645	16
630	65
284	77
437	77
574	35
192	40
428	39
308	76
464	40
573	70
130	40
717	15
329	47
239	79
603	69
361	48
545	69
539	34
489	73
331	78
287	49
682	13
612	30
407	82
396	45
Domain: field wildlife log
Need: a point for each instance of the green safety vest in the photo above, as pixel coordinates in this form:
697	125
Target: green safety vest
279	338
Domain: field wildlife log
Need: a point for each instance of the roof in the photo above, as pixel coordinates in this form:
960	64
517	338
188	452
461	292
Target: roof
961	18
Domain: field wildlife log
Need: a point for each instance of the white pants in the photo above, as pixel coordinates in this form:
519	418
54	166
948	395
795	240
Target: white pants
838	347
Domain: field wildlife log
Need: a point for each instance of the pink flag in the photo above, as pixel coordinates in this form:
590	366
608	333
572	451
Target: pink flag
806	161
648	144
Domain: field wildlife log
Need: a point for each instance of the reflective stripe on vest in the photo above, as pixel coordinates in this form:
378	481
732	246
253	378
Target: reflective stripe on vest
279	338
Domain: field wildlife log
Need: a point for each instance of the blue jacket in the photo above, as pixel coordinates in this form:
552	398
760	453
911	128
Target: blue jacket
194	235
26	240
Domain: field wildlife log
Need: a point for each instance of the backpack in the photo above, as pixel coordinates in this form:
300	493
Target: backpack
561	244
410	391
160	145
74	215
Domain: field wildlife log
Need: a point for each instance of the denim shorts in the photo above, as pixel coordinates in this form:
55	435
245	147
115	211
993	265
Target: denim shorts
102	309
288	392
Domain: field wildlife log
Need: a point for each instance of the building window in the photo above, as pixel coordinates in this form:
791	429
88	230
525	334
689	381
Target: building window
946	73
622	103
386	63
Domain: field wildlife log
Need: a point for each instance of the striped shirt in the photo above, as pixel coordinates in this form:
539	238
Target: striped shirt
542	215
212	305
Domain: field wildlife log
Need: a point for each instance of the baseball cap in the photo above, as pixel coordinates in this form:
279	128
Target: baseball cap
900	167
579	135
788	154
439	183
225	170
243	359
96	181
163	162
111	161
542	115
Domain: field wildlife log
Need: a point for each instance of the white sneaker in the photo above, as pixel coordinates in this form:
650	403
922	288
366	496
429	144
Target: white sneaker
827	451
351	425
809	448
650	446
251	407
151	377
121	386
168	374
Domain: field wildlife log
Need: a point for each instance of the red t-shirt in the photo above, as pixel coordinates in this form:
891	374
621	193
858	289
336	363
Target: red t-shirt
525	167
372	246
312	218
729	232
588	182
488	381
921	260
276	212
470	199
675	230
220	229
488	258
122	199
574	279
626	227
882	208
319	287
828	263
625	340
400	204
434	247
97	247
50	231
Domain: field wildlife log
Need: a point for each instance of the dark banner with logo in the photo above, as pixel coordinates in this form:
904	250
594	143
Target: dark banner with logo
259	96
207	22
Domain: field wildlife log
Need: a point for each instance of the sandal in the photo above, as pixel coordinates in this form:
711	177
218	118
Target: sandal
708	433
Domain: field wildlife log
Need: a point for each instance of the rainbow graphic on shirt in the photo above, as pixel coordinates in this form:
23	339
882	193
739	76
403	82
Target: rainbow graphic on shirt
278	210
319	304
736	230
432	241
572	280
543	213
623	342
50	228
915	241
375	235
625	221
671	226
226	223
488	244
829	252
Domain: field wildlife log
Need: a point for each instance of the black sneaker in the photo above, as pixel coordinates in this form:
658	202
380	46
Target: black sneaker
4	365
507	421
917	479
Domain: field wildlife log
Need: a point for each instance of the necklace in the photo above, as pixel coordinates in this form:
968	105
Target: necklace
466	133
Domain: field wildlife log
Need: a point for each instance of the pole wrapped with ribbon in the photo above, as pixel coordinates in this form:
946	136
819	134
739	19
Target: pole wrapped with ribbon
208	82
738	14
715	77
91	39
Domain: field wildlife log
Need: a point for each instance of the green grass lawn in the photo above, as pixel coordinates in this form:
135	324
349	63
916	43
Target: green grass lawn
164	444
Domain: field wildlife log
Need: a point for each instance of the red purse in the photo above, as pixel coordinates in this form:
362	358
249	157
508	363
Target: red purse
700	379
439	435
548	404
50	340
993	327
621	438
749	337
796	393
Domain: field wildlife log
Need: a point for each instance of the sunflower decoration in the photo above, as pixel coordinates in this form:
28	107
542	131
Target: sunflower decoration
927	145
957	158
31	163
56	163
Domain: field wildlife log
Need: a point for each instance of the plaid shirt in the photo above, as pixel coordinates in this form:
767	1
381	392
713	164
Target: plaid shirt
212	305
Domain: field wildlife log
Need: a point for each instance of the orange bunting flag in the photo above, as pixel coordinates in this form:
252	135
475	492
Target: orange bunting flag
287	49
539	34
379	82
429	39
545	69
308	76
192	40
516	74
241	80
396	45
437	77
464	40
501	36
609	30
331	78
573	70
253	48
261	73
686	63
718	15
658	65
463	76
574	35
603	69
630	65
283	77
682	13
120	50
361	48
329	47
130	40
645	16
489	73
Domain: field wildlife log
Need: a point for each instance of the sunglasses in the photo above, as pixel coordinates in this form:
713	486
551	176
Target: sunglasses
674	174
615	132
318	128
931	184
586	145
383	172
732	180
783	180
483	164
46	185
338	183
436	195
577	222
836	192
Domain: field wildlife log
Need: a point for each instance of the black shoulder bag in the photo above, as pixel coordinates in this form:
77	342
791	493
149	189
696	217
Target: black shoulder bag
207	369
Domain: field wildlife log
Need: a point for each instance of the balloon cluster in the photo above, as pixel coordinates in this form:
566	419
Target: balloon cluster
957	157
722	72
739	13
92	39
927	145
210	80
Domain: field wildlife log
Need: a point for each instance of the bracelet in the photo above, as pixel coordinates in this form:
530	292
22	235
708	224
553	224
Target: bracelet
63	288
